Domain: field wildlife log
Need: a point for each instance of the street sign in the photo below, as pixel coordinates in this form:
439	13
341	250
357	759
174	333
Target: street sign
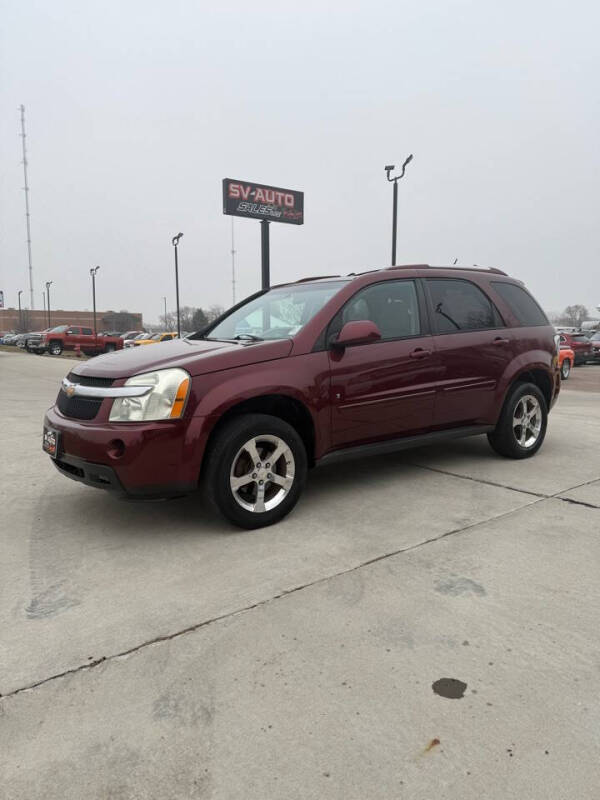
257	201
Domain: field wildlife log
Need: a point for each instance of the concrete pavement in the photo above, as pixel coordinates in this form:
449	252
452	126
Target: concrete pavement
152	651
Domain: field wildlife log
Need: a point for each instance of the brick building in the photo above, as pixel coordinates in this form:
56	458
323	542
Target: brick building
38	320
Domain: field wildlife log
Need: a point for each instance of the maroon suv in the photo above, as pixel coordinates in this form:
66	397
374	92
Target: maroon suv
305	373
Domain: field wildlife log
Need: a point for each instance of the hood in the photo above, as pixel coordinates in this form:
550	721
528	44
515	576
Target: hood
197	356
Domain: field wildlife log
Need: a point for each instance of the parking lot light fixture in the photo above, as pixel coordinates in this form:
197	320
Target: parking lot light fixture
395	180
175	243
48	285
93	272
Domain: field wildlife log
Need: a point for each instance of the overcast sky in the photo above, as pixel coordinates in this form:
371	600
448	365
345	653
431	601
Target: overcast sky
136	111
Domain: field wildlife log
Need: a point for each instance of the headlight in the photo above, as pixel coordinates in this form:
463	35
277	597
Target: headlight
165	400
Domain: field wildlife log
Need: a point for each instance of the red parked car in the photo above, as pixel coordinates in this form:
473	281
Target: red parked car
72	337
580	344
306	373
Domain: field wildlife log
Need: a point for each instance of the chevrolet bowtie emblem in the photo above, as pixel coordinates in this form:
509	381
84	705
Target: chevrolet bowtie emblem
70	391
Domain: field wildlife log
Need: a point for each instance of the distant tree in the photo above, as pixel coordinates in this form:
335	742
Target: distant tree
574	315
213	312
199	320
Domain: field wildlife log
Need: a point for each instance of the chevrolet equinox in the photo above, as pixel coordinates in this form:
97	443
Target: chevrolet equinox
305	373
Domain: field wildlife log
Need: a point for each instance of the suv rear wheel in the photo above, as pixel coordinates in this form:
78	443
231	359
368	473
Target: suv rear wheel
522	425
255	470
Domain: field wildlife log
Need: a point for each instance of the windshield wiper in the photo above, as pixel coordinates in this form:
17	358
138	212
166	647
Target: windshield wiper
250	337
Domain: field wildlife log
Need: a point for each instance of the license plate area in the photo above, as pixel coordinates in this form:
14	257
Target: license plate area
51	442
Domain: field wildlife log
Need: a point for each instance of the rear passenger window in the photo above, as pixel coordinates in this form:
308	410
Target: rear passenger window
392	305
521	303
74	331
459	305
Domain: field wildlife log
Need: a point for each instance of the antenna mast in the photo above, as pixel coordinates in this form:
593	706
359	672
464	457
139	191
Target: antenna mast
233	252
26	188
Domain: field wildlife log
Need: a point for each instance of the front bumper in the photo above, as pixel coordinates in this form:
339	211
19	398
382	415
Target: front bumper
154	459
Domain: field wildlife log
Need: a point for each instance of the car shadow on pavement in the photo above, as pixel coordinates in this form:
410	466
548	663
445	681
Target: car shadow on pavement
190	515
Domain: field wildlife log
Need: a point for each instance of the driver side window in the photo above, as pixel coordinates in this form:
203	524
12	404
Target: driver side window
392	305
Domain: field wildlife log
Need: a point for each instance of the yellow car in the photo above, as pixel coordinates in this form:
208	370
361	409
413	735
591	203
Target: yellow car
158	337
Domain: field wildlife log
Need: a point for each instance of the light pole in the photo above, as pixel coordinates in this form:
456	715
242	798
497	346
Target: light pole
395	209
165	302
93	271
48	285
175	242
19	293
44	299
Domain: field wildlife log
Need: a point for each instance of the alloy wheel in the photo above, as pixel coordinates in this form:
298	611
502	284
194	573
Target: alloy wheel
527	421
262	473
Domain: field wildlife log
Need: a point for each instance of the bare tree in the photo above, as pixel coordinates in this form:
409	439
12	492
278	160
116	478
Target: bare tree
574	315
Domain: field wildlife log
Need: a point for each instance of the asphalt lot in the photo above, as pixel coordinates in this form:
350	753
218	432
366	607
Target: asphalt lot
149	650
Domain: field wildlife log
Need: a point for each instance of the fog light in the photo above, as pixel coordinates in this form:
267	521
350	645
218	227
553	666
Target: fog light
116	448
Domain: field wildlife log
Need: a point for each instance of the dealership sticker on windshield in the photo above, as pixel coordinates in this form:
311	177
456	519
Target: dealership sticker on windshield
50	442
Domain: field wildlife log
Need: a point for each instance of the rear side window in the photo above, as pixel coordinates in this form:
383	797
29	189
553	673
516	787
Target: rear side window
521	303
459	305
392	305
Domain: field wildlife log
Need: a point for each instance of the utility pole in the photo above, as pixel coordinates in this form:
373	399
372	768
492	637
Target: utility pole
395	205
93	271
232	265
44	300
19	293
175	243
26	188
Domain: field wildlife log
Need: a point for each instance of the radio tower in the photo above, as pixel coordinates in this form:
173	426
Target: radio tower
26	188
233	252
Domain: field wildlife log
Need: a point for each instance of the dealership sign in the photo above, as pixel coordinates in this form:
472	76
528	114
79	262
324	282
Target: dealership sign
257	201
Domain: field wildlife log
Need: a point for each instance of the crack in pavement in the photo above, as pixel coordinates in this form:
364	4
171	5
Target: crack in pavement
197	626
555	496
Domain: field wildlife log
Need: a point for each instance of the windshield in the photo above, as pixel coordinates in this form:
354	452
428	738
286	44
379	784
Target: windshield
595	337
580	337
276	314
58	329
156	337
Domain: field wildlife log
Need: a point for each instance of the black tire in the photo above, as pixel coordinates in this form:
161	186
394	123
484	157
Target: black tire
224	452
565	369
55	348
504	439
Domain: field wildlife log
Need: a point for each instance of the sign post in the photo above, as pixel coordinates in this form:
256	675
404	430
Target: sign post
266	203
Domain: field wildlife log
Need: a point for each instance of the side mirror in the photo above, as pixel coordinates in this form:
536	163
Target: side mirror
361	331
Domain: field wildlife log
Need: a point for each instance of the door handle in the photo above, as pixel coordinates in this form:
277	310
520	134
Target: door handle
420	352
499	340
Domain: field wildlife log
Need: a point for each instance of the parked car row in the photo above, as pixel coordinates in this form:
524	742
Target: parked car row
76	337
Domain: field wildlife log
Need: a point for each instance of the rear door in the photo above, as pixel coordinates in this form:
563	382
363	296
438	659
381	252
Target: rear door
475	349
386	388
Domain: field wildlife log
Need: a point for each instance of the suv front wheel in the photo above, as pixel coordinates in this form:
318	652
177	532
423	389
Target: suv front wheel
255	470
522	425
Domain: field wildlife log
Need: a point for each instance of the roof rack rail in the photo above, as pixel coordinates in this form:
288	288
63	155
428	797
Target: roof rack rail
475	268
410	266
316	278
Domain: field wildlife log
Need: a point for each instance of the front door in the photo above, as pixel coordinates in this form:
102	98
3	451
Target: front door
387	388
